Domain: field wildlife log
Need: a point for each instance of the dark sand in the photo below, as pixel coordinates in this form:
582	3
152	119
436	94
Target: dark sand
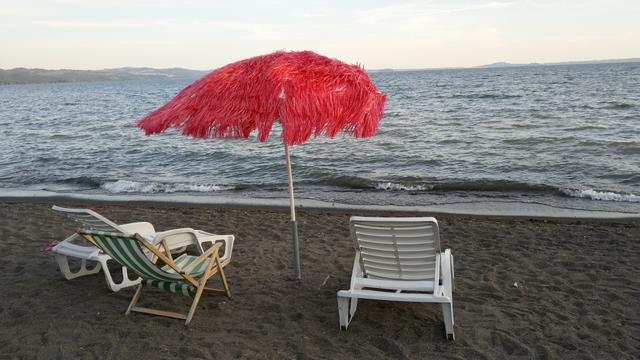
578	293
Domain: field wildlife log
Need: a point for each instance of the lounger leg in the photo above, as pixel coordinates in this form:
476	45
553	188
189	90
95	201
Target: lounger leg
346	309
447	314
63	264
353	305
135	298
125	283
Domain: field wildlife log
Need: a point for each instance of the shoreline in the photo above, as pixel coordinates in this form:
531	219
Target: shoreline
497	209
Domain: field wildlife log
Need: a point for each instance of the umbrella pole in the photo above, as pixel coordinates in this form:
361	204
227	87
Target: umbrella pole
294	223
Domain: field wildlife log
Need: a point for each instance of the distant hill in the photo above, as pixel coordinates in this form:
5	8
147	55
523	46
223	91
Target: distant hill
506	64
609	61
503	64
33	76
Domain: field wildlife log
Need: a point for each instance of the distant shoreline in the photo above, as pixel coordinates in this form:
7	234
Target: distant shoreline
19	76
513	65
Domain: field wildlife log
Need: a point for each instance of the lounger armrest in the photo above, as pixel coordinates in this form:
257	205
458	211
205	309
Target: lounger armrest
228	240
177	238
356	272
446	272
143	228
437	275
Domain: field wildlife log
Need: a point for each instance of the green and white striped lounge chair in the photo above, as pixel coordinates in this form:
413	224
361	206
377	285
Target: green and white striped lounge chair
398	259
75	246
186	275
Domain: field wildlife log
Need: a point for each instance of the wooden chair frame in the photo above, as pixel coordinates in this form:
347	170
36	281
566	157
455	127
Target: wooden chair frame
199	283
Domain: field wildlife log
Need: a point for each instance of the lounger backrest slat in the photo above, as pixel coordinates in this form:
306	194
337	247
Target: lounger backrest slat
92	224
90	220
128	251
392	259
397	248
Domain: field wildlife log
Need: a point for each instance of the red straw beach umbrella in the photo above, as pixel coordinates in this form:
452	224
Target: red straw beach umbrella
308	94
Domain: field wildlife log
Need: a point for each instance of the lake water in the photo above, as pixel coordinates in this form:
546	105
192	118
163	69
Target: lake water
566	136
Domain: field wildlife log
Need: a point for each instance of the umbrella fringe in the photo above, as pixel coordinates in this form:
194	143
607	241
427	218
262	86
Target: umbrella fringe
308	94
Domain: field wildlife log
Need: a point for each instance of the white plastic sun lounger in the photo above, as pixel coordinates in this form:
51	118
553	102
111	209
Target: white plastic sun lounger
76	247
398	259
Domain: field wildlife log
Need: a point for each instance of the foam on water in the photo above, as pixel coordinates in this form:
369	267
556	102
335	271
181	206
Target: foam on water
400	187
603	195
127	186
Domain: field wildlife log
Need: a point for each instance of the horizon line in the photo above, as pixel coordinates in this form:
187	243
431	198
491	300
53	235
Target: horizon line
494	64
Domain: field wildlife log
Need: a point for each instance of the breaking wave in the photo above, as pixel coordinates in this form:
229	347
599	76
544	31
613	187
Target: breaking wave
509	187
469	185
127	186
602	195
400	187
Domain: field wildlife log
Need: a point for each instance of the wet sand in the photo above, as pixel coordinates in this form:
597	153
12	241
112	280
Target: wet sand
577	294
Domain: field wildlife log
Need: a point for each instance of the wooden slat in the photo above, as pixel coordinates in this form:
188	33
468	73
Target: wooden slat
170	314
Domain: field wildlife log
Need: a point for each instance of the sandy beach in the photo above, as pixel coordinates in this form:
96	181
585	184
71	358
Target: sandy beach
577	294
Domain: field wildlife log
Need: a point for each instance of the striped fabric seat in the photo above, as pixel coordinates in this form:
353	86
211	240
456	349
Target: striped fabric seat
173	287
186	275
185	260
74	246
128	251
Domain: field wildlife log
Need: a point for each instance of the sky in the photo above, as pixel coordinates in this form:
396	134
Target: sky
199	34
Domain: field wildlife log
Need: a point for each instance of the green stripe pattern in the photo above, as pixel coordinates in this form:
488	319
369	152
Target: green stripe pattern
127	250
186	260
173	287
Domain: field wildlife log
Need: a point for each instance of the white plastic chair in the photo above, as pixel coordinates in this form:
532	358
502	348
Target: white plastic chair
76	247
399	259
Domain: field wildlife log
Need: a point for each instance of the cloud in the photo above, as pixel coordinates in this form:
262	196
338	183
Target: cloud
91	24
414	11
55	4
155	24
